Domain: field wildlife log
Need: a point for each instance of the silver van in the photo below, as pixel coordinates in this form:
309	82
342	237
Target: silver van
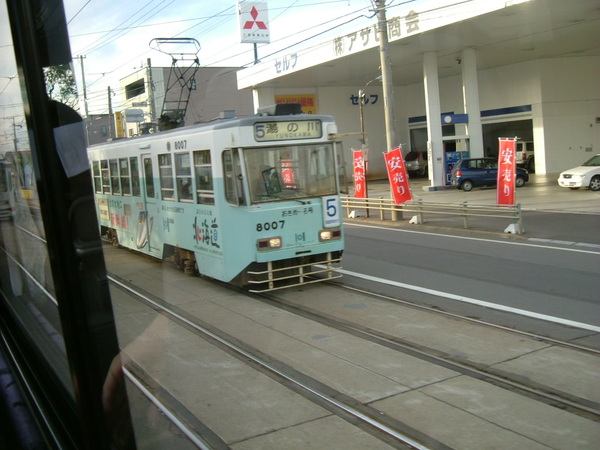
416	163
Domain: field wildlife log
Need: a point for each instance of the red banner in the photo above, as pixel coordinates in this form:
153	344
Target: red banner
507	171
397	175
360	184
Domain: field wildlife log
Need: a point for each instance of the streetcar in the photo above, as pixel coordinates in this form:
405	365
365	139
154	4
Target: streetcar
253	201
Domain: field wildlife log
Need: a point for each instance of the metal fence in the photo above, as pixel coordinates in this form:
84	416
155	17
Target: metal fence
419	211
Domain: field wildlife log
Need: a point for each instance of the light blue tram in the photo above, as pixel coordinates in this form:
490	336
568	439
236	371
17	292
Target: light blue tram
252	201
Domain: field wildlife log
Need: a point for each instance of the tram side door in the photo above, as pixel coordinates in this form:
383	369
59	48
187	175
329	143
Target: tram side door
147	226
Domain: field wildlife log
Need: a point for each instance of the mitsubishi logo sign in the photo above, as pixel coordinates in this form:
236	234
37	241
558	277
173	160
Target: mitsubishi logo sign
250	23
254	22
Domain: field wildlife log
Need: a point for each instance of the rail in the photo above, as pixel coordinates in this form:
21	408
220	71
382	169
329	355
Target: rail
418	210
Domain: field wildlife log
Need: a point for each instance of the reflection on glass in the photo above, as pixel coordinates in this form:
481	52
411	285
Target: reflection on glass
291	172
26	286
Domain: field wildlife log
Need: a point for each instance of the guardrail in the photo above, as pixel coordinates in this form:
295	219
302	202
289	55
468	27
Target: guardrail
387	210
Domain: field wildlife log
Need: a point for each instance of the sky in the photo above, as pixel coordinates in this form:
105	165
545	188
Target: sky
116	42
110	39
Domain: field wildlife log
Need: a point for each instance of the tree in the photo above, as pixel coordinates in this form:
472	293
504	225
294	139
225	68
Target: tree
60	84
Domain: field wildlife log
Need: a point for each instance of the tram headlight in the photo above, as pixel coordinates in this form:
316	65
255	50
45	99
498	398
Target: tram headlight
268	243
328	235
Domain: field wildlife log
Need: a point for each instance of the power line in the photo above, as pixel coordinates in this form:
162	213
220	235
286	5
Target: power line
77	13
218	19
107	39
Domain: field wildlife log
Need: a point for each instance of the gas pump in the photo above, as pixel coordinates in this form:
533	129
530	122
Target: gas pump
451	158
455	148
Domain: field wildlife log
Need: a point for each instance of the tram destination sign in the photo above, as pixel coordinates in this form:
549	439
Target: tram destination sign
283	131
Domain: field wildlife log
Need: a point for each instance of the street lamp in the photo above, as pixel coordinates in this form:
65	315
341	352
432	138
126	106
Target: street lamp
363	135
361	103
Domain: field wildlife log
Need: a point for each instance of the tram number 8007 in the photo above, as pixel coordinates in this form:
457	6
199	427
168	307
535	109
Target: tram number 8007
180	145
267	226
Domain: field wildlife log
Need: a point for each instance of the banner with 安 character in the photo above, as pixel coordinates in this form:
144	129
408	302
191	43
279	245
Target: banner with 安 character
396	170
507	171
360	185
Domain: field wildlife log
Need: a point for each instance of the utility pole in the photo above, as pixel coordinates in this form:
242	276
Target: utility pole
386	76
110	116
15	133
85	103
151	91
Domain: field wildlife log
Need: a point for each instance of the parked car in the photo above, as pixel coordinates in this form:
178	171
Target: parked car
416	163
525	156
471	172
586	175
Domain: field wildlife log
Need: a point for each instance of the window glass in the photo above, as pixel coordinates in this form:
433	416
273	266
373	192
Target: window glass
97	176
183	175
281	173
105	177
165	167
167	207
125	177
114	177
204	180
27	289
135	176
232	174
149	177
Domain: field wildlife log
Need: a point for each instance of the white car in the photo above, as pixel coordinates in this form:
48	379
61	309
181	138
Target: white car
586	175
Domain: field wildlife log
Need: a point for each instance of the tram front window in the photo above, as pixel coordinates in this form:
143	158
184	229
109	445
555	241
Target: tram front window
292	172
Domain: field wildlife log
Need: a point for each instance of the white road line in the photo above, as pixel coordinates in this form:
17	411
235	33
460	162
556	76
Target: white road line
473	301
527	244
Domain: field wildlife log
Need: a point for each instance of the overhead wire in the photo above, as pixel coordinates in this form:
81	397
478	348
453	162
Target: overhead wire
109	39
78	12
149	50
223	16
272	44
120	32
302	31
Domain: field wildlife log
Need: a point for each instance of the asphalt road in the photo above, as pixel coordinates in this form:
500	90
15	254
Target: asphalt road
555	283
549	211
551	271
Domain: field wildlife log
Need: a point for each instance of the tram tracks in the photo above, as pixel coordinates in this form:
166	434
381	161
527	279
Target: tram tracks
474	320
352	410
286	371
546	394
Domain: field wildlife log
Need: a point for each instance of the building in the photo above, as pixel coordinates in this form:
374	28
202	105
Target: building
464	74
212	91
98	128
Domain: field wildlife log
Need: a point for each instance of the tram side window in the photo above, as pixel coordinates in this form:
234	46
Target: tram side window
183	175
204	180
105	177
114	177
233	178
97	176
135	176
165	167
125	177
149	177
